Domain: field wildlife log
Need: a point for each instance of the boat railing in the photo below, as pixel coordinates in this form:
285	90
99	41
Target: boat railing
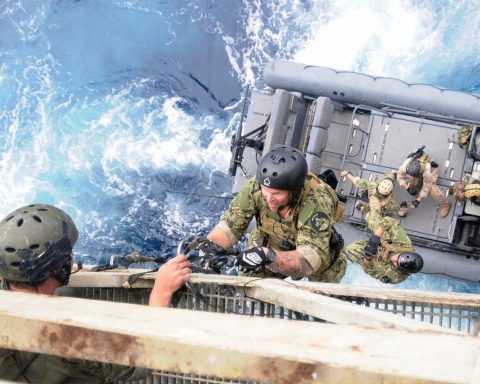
242	295
290	331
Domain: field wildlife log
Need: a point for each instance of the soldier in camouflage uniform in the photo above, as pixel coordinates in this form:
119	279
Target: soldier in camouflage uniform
388	255
295	212
36	256
467	188
418	176
464	135
379	192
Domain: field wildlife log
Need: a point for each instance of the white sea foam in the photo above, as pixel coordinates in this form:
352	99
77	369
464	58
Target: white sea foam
380	38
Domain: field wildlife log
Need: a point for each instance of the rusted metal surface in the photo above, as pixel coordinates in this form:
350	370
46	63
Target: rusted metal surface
237	347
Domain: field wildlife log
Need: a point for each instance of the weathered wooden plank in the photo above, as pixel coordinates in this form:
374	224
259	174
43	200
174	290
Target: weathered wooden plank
236	347
330	309
116	278
392	293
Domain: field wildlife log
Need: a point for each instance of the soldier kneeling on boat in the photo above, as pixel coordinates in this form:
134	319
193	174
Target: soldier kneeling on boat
388	254
295	212
467	189
380	191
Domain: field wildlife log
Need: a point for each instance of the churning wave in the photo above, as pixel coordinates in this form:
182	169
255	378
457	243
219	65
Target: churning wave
121	112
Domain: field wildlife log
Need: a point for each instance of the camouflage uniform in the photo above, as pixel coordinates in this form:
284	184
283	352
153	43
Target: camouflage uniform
394	240
464	135
426	185
458	189
386	203
308	228
47	369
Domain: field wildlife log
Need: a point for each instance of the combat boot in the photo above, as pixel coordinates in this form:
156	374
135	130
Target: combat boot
445	209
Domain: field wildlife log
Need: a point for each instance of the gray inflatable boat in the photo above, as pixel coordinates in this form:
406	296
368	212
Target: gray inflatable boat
370	125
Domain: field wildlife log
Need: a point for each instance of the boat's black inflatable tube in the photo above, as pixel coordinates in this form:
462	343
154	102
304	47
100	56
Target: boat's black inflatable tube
358	88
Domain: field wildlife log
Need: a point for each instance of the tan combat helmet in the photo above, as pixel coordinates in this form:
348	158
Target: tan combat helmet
36	243
385	187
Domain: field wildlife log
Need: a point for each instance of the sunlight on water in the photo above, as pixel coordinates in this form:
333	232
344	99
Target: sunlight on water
120	115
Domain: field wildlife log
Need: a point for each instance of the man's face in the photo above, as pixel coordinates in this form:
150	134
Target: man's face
394	260
275	197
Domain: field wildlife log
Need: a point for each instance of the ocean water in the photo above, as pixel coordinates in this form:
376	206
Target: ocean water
121	112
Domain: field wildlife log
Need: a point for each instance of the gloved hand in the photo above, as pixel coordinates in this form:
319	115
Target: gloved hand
372	247
412	191
344	172
415	203
251	260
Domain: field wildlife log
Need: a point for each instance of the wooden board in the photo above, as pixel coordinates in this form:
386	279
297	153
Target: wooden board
304	297
116	278
229	346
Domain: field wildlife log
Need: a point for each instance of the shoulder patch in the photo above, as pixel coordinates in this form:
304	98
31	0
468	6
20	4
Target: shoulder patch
320	221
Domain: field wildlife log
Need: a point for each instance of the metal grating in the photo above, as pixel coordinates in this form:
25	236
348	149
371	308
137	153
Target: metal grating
212	297
462	318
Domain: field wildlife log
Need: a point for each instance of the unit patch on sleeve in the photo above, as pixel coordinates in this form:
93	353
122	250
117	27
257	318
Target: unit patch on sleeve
320	221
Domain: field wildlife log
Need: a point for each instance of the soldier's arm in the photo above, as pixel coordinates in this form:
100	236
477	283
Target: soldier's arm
401	174
222	235
291	263
362	183
237	217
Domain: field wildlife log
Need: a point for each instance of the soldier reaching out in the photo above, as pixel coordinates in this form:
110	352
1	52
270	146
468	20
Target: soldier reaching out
295	212
388	254
379	192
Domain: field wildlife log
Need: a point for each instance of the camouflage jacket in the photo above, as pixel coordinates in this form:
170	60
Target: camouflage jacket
28	367
423	184
309	223
393	240
387	204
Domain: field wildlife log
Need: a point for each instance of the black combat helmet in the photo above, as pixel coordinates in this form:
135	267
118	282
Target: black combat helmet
35	243
414	168
410	262
283	168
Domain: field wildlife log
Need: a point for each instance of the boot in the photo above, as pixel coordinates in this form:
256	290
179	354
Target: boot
445	209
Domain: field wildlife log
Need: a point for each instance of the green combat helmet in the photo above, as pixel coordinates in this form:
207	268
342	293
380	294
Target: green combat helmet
36	243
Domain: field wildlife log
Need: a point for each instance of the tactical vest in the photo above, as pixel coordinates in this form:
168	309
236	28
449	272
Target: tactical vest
424	159
282	235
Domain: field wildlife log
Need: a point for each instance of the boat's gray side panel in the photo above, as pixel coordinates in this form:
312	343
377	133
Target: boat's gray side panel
356	88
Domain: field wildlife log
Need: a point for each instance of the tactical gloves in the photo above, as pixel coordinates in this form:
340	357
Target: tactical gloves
415	203
251	260
372	247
